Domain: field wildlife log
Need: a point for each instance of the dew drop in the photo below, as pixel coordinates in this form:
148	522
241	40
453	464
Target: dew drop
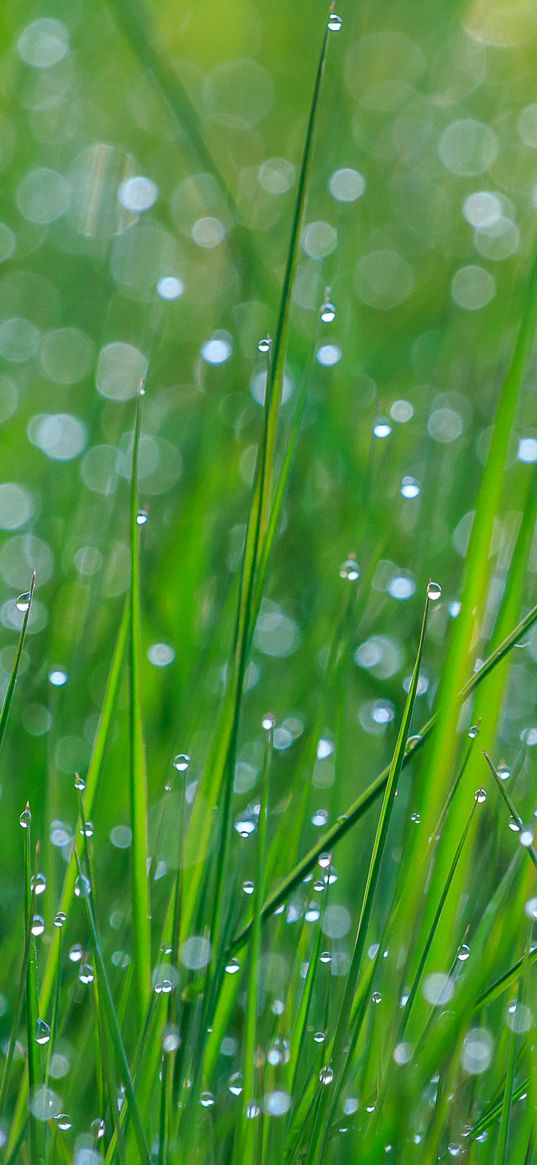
324	860
328	312
264	344
503	772
481	795
413	741
245	824
335	23
513	825
142	518
252	1110
63	1122
82	886
415	817
25	818
382	428
23	602
86	973
349	570
473	731
87	829
434	590
60	918
526	837
38	883
75	953
463	952
376	997
268	722
38	925
319	1037
98	1127
233	966
42	1032
80	783
326	1075
410	487
181	762
235	1084
248	887
207	1099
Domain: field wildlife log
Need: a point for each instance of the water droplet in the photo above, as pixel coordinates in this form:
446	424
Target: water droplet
98	1127
328	312
376	997
80	783
181	762
454	1150
326	1075
57	677
60	918
268	722
75	953
252	1110
234	1083
142	518
38	883
312	913
526	837
42	1032
170	1039
82	886
415	817
503	772
413	741
481	795
38	925
245	824
463	952
325	957
324	860
25	818
248	887
382	428
335	22
207	1099
265	344
86	973
473	731
233	966
87	829
23	602
63	1122
434	590
410	487
514	825
319	886
319	818
349	570
319	1037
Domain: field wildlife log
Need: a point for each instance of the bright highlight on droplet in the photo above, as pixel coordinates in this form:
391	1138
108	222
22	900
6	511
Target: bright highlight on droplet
335	22
434	591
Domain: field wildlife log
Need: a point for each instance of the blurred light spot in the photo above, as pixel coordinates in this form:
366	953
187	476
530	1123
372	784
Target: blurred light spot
59	435
43	43
88	560
120	368
445	425
401	586
438	988
43	195
141	256
57	677
19	339
275	633
375	715
138	193
276	1103
218	349
7	242
45	1104
66	355
208	232
519	1017
328	354
482	209
319	239
16	506
21	555
121	836
170	287
238	94
160	654
527	126
195	952
37	719
276	175
378	58
383	279
346	185
477	1051
381	656
336	921
527	449
472	287
98	469
9	398
401	411
498	241
468	147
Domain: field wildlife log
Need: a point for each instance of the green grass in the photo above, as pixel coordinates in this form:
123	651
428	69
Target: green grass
230	935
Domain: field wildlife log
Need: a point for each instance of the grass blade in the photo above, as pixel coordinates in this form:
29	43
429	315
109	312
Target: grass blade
10	691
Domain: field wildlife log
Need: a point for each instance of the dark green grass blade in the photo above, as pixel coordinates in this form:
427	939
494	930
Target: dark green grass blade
10	691
362	803
34	1063
138	780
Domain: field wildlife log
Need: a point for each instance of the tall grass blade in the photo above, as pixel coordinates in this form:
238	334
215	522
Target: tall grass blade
10	690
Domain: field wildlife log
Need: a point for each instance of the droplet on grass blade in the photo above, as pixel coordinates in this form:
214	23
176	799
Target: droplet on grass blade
181	762
82	886
349	570
335	23
473	731
526	837
326	1075
38	925
434	591
42	1032
382	428
463	952
264	344
233	966
60	918
38	883
207	1099
481	795
142	518
235	1084
80	783
503	772
25	817
410	487
86	974
23	602
63	1122
269	721
328	312
248	887
376	997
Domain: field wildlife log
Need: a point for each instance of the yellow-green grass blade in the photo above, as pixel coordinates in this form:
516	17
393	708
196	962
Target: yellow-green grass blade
363	802
138	780
12	682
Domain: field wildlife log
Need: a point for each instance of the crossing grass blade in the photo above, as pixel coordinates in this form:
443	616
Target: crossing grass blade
510	805
138	779
363	802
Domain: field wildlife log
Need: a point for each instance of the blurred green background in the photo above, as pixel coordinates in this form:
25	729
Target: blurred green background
148	172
